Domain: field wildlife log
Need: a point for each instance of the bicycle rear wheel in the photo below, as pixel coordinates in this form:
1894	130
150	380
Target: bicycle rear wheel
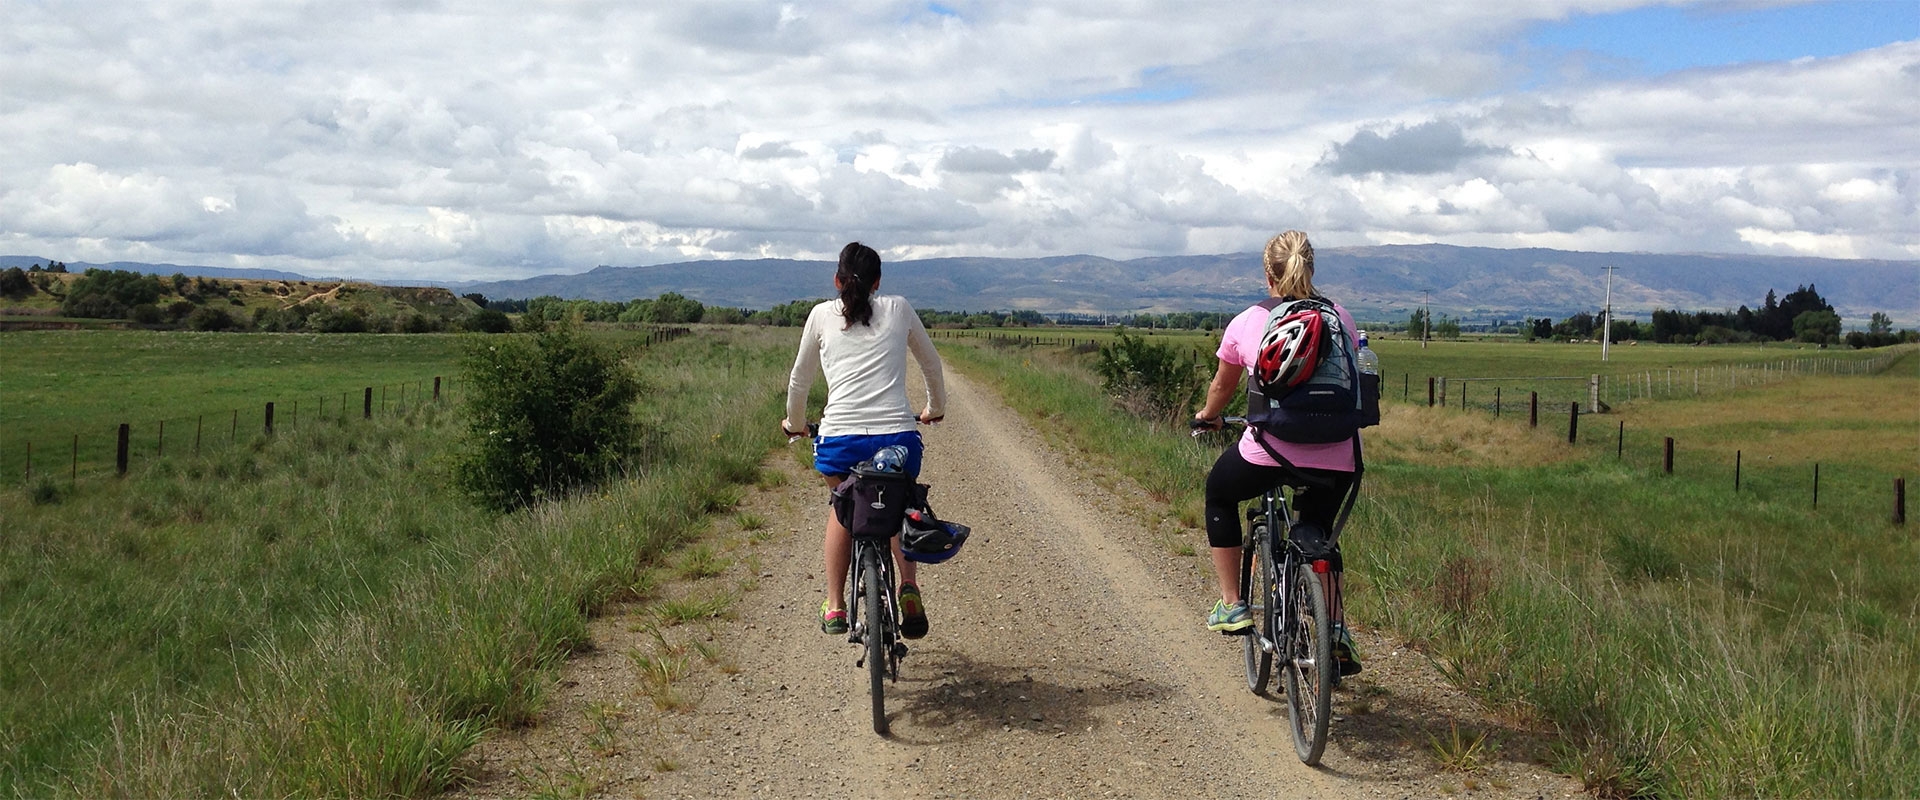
1307	653
876	636
1258	586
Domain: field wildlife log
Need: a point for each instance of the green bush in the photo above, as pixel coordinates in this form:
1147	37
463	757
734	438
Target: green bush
488	320
206	318
108	294
337	320
1157	381
14	283
548	412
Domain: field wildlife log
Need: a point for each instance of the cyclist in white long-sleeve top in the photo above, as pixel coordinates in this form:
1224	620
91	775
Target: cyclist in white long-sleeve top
861	342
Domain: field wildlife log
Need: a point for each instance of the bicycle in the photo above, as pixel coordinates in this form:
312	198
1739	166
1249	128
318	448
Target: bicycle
873	605
873	619
1287	593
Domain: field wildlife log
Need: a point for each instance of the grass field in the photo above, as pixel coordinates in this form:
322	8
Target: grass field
318	613
1685	640
56	385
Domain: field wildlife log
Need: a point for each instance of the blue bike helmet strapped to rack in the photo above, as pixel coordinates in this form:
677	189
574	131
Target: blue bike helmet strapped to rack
926	540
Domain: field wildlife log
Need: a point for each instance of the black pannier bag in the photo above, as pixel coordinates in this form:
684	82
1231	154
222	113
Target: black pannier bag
873	504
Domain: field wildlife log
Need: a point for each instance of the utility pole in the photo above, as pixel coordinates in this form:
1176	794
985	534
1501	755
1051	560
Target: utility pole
1606	325
1426	316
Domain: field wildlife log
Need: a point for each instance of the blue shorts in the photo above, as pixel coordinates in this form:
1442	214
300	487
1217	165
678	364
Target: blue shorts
835	456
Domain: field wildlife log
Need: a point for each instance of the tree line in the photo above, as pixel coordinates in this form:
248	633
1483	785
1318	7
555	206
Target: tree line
206	304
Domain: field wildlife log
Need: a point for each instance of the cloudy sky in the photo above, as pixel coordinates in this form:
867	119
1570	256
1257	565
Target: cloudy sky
483	140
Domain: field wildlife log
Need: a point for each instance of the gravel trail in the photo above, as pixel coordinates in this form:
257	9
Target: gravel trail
1067	659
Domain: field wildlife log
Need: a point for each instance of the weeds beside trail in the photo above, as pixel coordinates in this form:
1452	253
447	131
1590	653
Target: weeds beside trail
321	613
1686	641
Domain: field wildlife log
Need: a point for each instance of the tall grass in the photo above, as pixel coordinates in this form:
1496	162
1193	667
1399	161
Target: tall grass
1685	640
320	613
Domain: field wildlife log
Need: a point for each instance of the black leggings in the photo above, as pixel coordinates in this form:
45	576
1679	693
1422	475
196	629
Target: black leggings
1234	480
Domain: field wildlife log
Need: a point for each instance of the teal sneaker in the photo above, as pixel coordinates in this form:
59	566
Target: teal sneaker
1229	619
1344	651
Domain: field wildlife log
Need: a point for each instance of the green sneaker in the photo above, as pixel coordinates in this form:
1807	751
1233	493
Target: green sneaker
1229	619
913	612
1344	652
832	623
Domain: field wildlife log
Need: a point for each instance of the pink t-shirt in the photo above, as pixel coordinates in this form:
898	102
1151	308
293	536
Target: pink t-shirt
1239	346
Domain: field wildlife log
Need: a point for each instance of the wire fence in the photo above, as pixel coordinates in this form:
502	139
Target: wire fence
38	453
1573	404
1560	402
96	452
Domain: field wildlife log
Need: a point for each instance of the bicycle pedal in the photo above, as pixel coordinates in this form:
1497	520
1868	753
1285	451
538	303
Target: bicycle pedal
1241	632
899	651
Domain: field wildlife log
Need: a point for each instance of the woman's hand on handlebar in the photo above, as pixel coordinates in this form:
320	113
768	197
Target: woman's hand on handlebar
1200	424
793	436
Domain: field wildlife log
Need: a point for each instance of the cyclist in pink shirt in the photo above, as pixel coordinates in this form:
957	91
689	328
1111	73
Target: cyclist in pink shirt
1246	470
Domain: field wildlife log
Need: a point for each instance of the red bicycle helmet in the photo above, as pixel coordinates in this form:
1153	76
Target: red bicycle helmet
1289	350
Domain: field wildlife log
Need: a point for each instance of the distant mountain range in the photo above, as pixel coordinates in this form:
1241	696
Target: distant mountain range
1473	284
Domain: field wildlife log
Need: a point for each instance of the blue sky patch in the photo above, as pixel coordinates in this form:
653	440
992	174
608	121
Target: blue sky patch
1657	40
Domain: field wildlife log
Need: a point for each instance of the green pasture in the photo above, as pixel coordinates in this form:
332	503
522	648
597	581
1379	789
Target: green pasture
56	385
320	613
1683	639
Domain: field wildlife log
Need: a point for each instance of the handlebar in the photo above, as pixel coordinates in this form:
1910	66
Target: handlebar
1200	426
813	428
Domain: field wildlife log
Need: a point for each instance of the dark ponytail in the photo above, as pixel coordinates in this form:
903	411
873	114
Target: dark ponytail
859	271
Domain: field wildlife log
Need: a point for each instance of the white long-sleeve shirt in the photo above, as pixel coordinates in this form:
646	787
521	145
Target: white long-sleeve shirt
866	369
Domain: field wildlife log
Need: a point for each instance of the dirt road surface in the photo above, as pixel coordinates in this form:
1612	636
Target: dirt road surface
1067	658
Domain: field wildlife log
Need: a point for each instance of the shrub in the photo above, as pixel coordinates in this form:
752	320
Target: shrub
108	294
337	320
207	318
416	322
487	320
549	412
1157	381
14	283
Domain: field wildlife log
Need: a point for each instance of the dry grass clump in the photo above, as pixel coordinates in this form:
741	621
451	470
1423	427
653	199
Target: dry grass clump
1451	438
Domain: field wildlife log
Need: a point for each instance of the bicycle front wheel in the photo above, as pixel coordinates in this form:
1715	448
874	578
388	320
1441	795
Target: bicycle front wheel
876	635
1307	653
1258	585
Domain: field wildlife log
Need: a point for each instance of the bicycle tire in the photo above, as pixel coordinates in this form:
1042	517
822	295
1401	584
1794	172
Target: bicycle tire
1257	585
876	638
1309	664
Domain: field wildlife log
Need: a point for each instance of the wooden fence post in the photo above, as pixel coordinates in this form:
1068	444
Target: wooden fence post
73	469
1899	501
199	423
1429	391
160	449
1573	422
366	404
1736	471
1620	443
1463	395
1533	409
1816	485
269	428
436	388
233	432
1669	457
120	453
1496	402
